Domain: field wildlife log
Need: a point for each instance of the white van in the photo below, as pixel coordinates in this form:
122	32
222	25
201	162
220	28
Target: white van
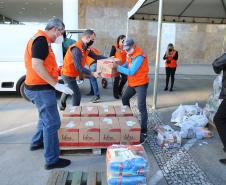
13	42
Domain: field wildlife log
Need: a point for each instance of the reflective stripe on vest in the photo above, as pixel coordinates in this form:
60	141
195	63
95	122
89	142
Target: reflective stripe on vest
68	68
32	78
141	76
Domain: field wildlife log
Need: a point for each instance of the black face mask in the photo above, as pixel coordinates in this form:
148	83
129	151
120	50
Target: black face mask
90	43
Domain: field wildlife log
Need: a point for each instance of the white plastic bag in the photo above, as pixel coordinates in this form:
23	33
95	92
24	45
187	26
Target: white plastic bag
183	112
196	121
217	85
178	114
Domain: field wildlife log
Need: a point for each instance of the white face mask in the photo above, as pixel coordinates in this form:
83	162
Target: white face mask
59	40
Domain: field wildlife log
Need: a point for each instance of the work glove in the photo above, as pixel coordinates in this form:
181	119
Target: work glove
63	88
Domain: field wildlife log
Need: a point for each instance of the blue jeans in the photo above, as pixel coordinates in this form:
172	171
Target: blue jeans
93	81
141	92
48	124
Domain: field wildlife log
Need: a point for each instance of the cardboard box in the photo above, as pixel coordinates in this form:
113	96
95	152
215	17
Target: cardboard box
89	132
89	111
110	131
122	111
106	111
69	132
106	67
74	111
130	130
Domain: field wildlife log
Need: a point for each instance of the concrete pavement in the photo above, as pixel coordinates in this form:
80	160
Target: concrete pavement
20	166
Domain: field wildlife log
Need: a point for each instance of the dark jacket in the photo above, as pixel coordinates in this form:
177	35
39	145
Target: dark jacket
220	65
223	90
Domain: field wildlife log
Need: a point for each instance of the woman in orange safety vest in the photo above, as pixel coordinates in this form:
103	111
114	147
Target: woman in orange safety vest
171	57
118	52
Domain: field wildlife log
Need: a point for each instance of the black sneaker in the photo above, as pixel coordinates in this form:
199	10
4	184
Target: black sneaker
62	106
223	161
171	89
166	89
95	99
61	163
36	147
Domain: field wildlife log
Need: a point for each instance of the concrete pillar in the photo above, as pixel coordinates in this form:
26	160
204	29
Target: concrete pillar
70	15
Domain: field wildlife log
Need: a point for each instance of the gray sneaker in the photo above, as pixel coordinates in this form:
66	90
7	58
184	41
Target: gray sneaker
95	99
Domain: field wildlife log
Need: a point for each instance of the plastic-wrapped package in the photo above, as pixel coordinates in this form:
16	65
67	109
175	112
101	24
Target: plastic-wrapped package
189	132
133	180
167	137
196	121
183	112
126	164
213	102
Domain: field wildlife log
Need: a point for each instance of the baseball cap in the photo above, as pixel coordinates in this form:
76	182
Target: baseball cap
128	43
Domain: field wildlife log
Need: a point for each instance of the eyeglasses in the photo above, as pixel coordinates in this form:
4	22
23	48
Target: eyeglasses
61	31
123	41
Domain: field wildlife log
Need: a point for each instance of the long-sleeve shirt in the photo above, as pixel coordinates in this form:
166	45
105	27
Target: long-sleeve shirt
77	56
134	67
113	51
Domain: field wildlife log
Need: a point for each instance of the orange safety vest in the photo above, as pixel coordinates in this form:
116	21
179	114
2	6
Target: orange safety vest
68	68
32	78
173	63
90	60
120	54
141	76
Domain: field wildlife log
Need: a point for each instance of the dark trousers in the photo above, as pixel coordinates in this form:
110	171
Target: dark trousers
170	73
119	83
141	92
72	84
220	121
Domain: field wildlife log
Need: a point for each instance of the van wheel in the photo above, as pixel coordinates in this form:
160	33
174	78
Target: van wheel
22	91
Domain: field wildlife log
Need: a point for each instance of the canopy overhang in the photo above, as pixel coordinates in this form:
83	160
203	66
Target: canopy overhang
176	11
184	11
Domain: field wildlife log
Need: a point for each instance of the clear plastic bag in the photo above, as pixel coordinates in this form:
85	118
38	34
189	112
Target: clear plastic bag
183	112
167	137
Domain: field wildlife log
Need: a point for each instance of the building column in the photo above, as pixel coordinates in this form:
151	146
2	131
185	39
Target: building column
70	15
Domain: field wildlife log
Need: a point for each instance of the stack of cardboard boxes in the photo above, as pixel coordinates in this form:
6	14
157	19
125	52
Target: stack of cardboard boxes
92	126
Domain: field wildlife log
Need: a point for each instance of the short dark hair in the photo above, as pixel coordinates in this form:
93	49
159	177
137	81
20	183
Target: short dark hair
170	45
89	32
119	38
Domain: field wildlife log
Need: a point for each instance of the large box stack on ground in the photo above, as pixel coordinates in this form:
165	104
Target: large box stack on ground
126	164
110	131
98	127
130	130
69	132
89	132
74	111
